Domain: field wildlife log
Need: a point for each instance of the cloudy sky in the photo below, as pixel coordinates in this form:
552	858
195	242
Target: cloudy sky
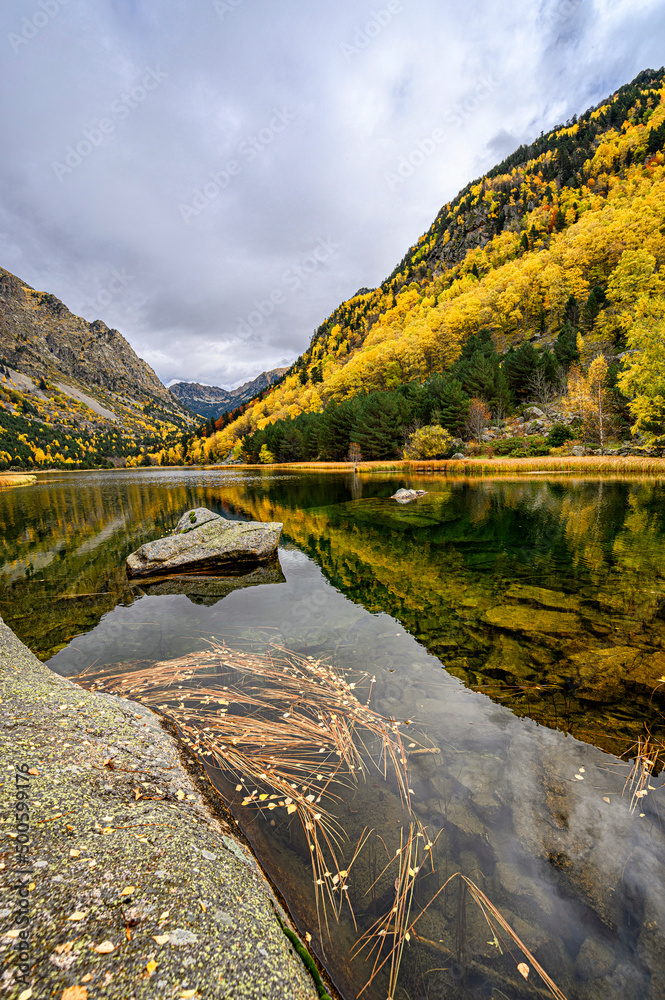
212	177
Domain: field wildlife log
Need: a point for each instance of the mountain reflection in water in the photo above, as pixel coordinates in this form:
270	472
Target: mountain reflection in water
543	600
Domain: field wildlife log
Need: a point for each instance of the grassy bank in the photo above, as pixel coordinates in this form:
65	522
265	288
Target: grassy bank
19	479
582	465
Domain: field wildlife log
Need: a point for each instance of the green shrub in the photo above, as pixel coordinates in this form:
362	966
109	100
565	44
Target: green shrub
558	435
521	447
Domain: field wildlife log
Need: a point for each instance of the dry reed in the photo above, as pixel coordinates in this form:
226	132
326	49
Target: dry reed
285	728
289	730
630	465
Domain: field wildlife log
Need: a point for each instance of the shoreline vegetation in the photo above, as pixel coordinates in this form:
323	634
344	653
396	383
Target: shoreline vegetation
594	464
18	479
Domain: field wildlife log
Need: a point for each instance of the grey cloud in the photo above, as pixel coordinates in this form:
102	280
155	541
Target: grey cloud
221	78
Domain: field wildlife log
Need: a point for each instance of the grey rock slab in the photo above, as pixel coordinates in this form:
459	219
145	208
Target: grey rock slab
152	853
211	546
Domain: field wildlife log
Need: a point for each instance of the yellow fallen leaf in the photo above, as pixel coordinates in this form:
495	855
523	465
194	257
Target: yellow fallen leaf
151	966
25	995
308	937
605	799
523	969
187	994
128	890
75	993
291	809
74	854
179	795
12	934
203	906
33	885
78	915
160	938
66	947
164	915
33	770
86	978
105	948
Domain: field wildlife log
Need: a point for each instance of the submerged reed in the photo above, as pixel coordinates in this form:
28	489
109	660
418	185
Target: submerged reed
289	732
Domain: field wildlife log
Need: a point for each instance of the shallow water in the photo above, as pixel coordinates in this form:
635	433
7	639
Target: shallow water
518	625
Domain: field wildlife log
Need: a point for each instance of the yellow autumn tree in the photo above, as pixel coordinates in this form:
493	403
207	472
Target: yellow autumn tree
643	377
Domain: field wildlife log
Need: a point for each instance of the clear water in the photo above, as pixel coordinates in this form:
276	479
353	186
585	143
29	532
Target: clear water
517	624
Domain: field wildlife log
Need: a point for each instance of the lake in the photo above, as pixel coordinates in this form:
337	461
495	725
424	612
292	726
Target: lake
514	628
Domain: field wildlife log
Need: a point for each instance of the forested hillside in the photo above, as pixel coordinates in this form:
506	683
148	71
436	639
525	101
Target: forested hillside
75	394
540	282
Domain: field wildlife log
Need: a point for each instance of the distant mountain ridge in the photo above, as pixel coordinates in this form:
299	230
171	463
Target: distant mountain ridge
39	336
74	393
212	401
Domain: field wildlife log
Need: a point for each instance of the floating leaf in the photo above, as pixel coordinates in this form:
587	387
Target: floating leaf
75	993
605	799
105	948
523	969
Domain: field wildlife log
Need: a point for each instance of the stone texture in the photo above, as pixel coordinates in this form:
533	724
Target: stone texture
206	543
406	496
38	335
521	618
222	935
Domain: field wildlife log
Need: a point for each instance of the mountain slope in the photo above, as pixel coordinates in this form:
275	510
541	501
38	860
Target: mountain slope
72	392
566	236
212	401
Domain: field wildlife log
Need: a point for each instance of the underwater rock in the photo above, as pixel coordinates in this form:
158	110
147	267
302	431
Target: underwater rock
521	618
206	542
406	496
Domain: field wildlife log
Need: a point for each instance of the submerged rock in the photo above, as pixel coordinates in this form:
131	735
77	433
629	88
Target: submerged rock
205	542
406	496
522	618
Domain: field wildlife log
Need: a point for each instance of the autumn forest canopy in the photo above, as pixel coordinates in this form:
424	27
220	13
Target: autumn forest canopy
541	283
549	262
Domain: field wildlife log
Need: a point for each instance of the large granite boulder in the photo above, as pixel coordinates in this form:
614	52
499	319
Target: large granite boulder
204	542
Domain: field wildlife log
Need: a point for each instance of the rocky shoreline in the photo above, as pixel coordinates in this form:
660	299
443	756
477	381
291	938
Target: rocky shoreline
125	881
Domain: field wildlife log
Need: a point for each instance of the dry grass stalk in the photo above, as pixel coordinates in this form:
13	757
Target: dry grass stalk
285	728
397	924
647	755
582	465
288	730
